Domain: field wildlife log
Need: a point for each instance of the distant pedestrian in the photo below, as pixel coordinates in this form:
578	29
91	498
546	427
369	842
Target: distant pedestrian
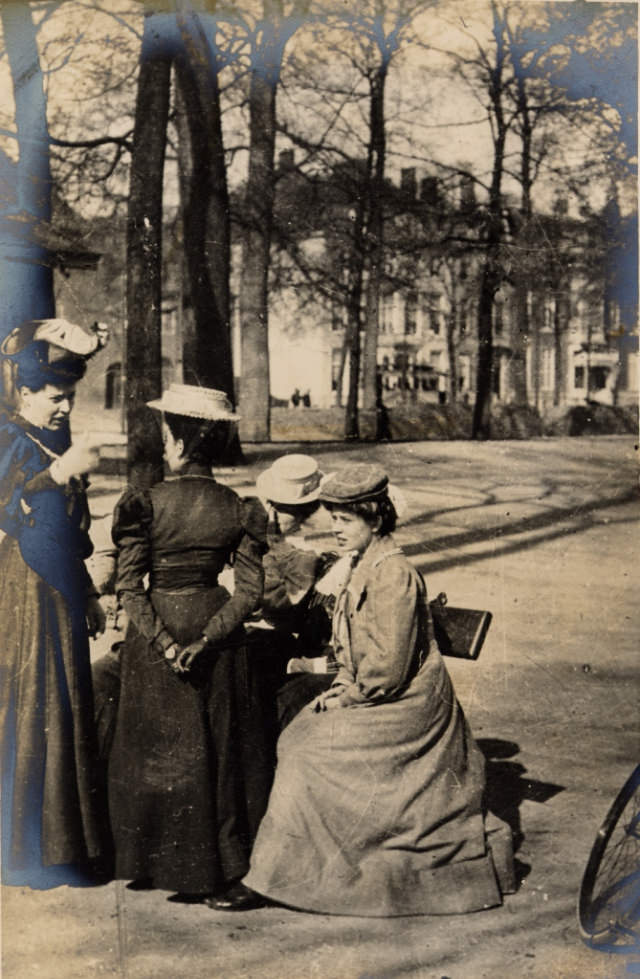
295	398
306	399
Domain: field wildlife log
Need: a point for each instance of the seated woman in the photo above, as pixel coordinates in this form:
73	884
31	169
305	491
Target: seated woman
189	768
299	589
376	807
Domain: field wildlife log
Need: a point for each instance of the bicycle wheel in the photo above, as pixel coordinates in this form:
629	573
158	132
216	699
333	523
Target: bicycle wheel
609	899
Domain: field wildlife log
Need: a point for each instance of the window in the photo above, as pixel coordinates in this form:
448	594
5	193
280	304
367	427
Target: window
549	313
431	310
113	386
411	313
578	377
336	365
336	317
386	313
548	361
462	320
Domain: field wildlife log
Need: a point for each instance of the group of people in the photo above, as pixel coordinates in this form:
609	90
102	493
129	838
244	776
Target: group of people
235	772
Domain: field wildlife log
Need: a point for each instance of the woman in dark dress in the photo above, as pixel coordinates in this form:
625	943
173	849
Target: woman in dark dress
189	769
53	830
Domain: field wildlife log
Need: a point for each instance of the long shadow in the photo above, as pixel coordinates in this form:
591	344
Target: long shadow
534	522
428	567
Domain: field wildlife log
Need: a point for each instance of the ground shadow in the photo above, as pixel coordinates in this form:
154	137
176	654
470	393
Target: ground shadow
582	517
508	786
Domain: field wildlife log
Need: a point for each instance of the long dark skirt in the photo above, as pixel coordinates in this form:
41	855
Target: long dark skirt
190	767
53	826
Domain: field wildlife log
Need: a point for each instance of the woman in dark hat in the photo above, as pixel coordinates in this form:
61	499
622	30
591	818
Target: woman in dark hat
376	807
52	810
189	769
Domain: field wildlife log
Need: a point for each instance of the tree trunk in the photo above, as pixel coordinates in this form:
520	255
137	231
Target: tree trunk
452	351
144	261
375	243
259	197
354	322
26	274
526	247
491	270
205	211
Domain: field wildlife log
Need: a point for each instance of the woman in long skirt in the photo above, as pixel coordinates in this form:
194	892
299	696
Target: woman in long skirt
377	804
189	768
53	826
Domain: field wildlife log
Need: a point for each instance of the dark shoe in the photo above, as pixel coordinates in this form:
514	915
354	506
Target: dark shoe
237	898
142	884
181	897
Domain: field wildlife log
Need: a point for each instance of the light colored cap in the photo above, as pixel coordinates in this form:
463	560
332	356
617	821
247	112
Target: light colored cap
195	402
292	480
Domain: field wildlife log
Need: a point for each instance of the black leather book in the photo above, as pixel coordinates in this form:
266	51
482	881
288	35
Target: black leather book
459	632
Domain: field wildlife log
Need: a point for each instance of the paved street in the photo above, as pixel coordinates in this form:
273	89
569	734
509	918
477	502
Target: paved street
544	534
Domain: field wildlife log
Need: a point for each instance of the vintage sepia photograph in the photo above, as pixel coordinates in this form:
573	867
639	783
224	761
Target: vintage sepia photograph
319	502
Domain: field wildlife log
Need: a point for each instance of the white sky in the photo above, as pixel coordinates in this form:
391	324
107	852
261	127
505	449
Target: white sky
80	42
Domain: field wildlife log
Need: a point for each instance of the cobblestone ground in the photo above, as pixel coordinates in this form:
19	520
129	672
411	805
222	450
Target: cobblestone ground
545	535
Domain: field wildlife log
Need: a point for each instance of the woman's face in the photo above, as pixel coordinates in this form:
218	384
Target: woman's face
173	449
289	520
49	407
352	532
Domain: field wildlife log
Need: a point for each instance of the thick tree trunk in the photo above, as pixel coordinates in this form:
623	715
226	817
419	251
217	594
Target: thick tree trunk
205	211
26	274
259	197
144	262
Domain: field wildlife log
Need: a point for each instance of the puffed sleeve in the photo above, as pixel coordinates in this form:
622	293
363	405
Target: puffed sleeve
289	575
20	469
131	534
248	573
390	639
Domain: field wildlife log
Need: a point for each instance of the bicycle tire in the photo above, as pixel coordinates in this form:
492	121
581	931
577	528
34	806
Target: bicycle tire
609	897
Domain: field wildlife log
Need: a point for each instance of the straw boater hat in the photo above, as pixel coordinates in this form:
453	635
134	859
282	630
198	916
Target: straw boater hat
195	402
292	480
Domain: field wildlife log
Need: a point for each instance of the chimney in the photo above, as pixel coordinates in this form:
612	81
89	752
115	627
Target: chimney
286	159
467	191
430	191
408	181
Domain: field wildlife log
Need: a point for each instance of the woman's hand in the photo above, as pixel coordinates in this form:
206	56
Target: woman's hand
188	655
327	700
96	617
79	459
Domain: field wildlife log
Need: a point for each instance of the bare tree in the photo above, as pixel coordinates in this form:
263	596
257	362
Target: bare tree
205	203
268	38
144	256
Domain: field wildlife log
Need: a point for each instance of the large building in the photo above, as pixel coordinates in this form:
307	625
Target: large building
560	333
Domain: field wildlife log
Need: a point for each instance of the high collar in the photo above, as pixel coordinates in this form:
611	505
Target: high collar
196	469
377	549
